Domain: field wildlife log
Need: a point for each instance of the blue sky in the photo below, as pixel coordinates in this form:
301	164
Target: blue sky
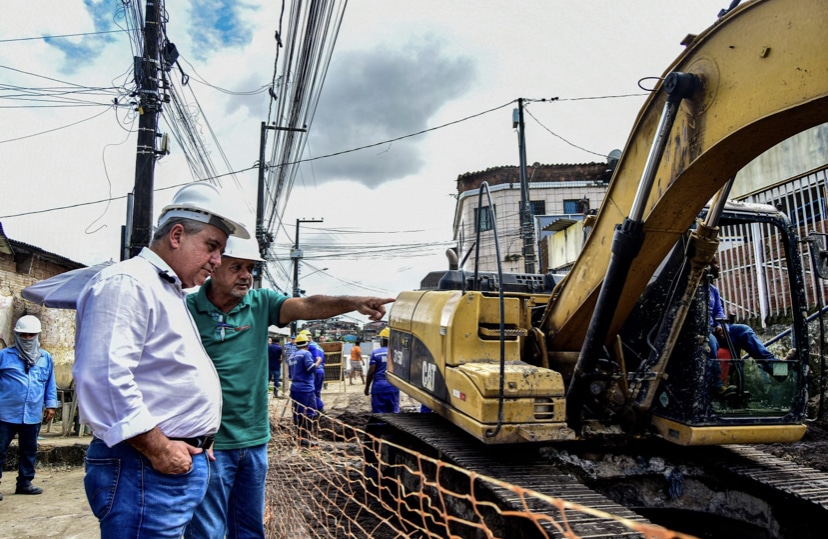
89	47
218	24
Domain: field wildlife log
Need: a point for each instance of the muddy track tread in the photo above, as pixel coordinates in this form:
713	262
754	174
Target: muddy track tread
521	470
805	484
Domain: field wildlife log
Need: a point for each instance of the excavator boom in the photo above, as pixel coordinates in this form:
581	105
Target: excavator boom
764	78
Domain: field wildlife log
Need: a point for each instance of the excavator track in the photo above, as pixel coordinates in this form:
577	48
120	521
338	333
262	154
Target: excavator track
805	485
523	468
796	495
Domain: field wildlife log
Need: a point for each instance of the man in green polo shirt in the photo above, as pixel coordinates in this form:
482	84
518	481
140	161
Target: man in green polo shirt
233	322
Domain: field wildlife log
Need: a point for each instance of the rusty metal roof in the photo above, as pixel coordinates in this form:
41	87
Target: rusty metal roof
10	247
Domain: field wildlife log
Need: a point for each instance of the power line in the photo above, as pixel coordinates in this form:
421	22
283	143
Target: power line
201	80
47	78
526	109
78	205
60	36
56	128
401	137
255	166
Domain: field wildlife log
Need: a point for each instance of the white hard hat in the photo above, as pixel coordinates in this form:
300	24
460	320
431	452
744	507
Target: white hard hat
245	249
202	202
27	324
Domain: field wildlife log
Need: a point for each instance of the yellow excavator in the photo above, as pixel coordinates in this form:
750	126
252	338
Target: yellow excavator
619	345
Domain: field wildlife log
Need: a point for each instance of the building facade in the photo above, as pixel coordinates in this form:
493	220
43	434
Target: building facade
558	195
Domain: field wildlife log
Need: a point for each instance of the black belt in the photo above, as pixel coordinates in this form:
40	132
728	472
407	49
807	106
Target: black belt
201	442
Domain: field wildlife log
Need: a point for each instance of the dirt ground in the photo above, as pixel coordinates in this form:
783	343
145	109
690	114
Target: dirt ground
62	510
811	450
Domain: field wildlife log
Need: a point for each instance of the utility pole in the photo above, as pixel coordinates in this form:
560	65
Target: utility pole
264	237
296	255
149	105
527	229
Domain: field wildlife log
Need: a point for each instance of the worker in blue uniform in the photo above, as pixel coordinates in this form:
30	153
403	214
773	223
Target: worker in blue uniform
385	398
319	375
301	368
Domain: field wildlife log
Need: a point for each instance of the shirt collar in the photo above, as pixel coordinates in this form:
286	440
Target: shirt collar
204	305
152	257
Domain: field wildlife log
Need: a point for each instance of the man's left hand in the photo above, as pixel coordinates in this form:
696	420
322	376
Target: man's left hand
48	415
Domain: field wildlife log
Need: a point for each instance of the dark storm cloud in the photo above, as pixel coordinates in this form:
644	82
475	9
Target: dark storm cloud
371	96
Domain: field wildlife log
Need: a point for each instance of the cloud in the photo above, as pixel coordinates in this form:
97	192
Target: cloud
217	24
376	95
82	53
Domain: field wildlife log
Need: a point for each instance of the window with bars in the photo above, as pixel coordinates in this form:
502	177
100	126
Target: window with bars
537	207
575	205
483	218
803	200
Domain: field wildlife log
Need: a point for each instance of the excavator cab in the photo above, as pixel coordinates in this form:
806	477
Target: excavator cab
708	398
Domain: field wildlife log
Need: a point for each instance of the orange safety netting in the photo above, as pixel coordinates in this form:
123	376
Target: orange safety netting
346	483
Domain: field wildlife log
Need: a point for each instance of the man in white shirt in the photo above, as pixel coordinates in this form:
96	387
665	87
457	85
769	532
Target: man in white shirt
145	385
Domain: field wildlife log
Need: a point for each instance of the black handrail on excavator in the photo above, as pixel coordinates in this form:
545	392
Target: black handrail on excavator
626	244
490	433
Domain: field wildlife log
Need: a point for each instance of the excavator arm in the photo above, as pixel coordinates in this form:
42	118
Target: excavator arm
764	78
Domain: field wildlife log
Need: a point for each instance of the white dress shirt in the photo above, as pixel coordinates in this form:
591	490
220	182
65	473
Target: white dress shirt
139	361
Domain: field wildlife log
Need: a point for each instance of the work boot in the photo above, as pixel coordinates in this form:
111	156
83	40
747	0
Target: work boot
726	391
28	489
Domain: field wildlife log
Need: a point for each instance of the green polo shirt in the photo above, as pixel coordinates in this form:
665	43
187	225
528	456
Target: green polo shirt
237	344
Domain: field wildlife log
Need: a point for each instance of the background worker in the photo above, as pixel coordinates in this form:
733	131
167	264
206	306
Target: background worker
356	363
274	364
149	391
27	386
385	398
233	322
319	374
302	367
289	347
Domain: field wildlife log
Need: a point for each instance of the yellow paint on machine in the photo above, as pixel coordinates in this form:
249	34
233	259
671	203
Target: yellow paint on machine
511	431
681	434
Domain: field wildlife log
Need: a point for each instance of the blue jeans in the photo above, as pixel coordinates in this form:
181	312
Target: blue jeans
276	377
744	340
27	445
131	499
235	500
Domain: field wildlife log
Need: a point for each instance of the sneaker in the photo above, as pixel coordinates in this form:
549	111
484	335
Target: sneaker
1	496
28	489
